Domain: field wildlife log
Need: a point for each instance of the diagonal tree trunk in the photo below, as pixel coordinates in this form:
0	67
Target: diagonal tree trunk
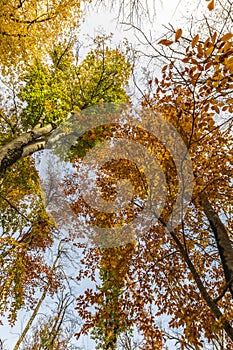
222	239
209	301
23	145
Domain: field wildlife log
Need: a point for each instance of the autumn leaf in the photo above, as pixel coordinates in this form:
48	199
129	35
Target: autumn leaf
178	34
211	5
209	50
166	42
195	40
226	37
214	36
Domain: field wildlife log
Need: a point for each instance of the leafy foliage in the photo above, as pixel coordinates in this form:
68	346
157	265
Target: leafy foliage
185	274
47	92
29	28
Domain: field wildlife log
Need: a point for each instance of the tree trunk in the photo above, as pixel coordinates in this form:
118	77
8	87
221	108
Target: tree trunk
223	241
209	301
23	145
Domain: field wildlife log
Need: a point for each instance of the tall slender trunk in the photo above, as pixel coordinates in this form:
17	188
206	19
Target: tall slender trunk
36	310
32	318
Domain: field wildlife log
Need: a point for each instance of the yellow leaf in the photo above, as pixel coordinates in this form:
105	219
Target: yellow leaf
165	42
195	40
178	34
211	5
229	61
209	50
226	37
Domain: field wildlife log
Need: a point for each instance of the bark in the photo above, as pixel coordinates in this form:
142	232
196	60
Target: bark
23	145
222	239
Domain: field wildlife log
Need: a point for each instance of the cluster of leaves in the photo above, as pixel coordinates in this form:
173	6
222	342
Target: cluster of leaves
26	229
51	91
25	27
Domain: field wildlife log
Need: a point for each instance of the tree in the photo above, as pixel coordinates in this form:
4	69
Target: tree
53	332
26	26
48	93
186	272
40	97
29	29
110	319
50	287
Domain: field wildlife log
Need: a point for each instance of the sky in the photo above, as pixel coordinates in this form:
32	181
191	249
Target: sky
97	22
103	20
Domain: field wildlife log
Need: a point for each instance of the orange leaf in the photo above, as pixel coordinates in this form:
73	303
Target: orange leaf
200	50
216	109
208	65
165	42
211	5
178	34
195	40
226	37
213	38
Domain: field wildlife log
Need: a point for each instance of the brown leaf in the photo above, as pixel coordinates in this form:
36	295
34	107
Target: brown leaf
211	5
165	42
213	37
178	34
